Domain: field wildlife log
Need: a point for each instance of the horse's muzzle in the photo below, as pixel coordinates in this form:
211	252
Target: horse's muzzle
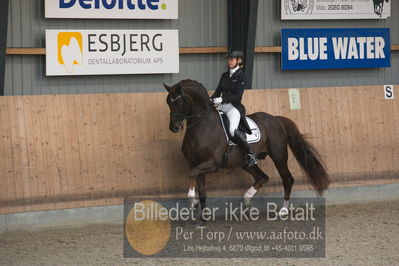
174	129
175	126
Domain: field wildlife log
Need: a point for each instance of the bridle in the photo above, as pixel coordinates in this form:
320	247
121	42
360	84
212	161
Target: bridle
183	115
191	119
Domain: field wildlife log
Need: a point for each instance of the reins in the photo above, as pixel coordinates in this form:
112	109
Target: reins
197	118
193	119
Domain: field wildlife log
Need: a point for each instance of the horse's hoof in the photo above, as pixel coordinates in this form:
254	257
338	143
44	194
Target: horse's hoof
247	204
194	210
194	205
283	212
200	222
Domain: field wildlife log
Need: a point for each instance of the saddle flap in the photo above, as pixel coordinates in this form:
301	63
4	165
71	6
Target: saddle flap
251	138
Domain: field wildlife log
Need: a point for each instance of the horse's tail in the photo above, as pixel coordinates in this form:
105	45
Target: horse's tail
307	156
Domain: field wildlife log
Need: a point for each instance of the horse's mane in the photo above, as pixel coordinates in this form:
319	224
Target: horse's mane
193	86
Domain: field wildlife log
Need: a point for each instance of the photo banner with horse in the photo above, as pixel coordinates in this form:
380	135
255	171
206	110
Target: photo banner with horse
335	9
335	48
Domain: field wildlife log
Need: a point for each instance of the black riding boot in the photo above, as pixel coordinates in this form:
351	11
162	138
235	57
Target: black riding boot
240	139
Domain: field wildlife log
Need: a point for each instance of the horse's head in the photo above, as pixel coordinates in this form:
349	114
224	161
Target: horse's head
177	106
184	99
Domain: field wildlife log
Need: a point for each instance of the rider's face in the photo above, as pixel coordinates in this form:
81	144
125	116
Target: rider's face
232	62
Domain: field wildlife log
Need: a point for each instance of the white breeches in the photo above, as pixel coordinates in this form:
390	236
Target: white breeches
232	114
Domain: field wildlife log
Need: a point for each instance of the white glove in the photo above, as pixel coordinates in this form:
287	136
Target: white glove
218	100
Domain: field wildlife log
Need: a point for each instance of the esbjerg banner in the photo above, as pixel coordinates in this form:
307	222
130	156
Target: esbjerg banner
335	9
112	9
102	52
335	48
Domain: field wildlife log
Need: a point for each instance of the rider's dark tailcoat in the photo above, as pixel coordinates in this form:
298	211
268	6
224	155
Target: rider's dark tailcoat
231	90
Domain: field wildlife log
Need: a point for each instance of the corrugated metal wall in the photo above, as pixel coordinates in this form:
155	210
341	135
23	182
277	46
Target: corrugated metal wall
201	23
267	73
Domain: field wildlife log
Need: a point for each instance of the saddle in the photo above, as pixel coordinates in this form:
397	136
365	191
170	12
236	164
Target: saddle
251	138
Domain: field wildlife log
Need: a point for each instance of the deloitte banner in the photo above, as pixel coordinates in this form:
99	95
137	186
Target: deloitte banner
335	48
335	9
101	52
112	9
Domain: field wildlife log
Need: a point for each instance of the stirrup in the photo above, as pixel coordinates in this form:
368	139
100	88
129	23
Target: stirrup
250	159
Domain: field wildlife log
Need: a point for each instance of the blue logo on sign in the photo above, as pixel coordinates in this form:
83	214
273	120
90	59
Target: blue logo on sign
335	48
110	4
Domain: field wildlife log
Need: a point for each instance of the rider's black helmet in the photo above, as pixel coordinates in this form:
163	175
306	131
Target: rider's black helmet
235	54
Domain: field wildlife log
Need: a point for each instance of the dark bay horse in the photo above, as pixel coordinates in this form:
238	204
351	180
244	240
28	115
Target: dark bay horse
205	143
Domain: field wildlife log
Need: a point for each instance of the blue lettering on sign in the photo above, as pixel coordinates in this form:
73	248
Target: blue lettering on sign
66	3
335	48
110	4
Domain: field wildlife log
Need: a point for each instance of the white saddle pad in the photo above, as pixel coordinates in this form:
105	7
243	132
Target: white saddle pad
253	138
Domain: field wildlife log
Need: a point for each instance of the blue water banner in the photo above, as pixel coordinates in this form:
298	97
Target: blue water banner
335	48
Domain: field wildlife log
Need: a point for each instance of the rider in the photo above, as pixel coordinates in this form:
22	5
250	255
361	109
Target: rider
228	98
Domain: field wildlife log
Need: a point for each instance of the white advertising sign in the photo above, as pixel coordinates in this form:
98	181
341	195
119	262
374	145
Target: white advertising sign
335	9
112	9
103	52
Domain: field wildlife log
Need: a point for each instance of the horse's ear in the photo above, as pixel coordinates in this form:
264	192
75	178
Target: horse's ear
166	87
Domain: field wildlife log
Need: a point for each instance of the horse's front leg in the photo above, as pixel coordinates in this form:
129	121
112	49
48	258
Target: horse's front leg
191	194
198	174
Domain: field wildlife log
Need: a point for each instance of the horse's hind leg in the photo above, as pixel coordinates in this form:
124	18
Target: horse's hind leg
201	190
260	178
280	161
